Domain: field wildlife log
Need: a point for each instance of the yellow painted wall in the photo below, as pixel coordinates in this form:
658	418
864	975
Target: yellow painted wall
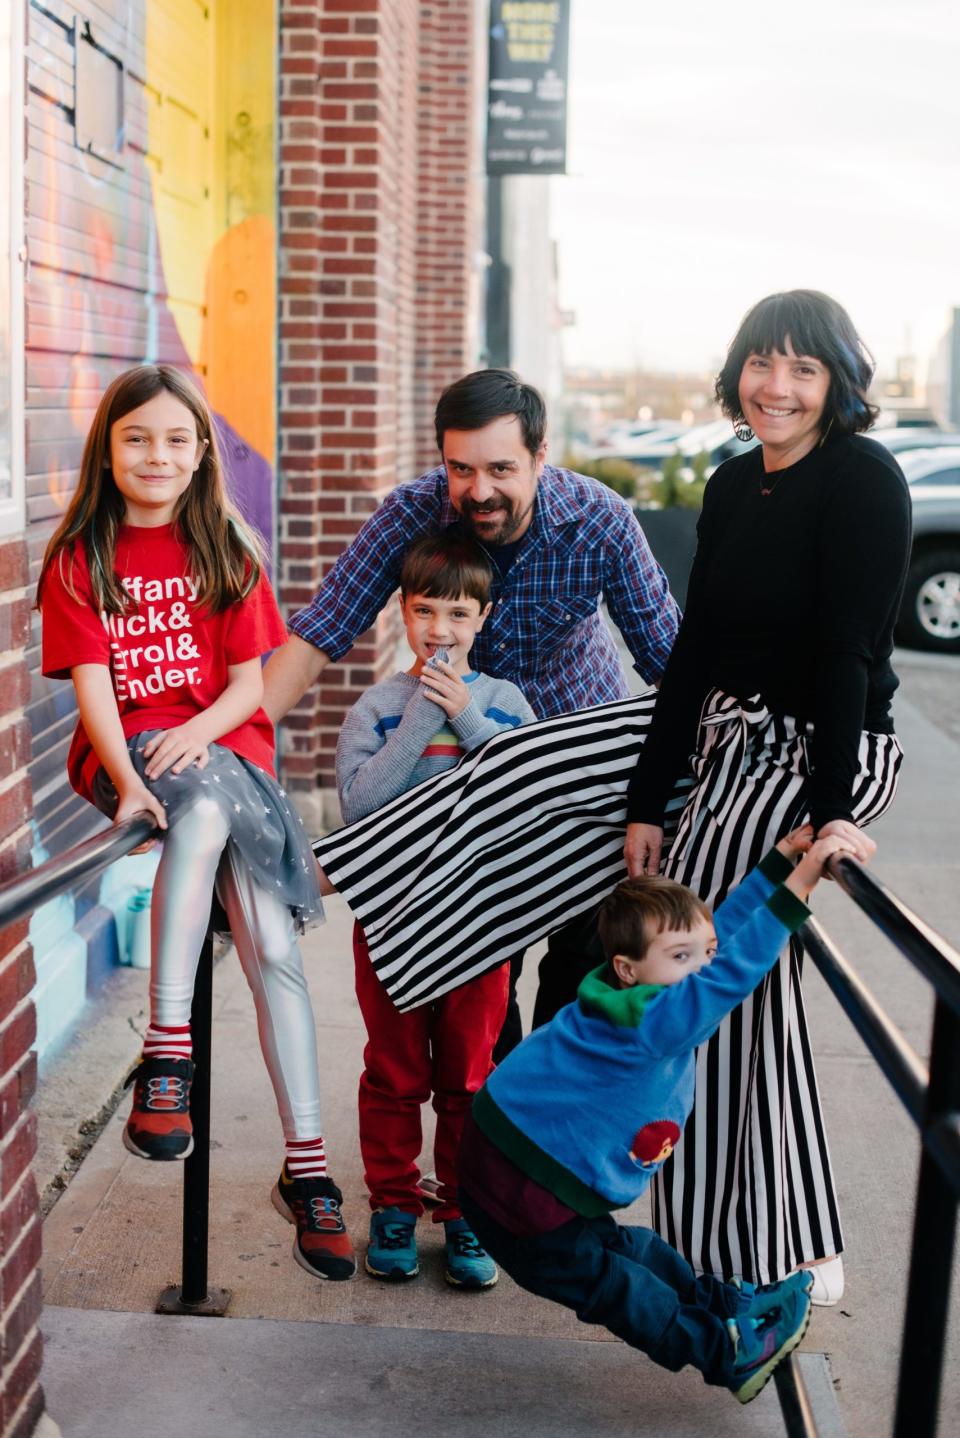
211	81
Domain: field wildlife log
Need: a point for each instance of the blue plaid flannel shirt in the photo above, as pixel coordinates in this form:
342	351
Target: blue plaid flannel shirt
545	632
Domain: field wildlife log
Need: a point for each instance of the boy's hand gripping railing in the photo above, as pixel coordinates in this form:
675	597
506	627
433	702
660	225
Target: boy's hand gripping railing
933	1102
18	898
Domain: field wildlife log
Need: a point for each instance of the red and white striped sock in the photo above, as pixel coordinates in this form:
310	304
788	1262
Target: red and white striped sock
168	1041
306	1157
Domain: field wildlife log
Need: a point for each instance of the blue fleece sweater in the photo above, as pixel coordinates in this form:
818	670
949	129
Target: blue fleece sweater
591	1105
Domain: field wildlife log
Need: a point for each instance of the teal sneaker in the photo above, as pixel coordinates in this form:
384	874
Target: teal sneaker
392	1252
468	1265
772	1326
753	1297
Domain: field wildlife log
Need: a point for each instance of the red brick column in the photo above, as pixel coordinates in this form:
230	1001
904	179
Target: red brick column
354	182
448	208
21	1399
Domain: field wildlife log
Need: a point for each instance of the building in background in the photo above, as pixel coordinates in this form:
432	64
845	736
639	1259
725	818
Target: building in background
526	142
943	376
595	401
536	321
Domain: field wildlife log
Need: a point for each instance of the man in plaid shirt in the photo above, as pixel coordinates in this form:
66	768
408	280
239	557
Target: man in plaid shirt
557	541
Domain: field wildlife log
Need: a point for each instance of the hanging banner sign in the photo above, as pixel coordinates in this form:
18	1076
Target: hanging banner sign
527	102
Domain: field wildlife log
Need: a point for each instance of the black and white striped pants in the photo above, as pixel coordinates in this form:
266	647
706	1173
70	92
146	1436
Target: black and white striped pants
455	876
750	1190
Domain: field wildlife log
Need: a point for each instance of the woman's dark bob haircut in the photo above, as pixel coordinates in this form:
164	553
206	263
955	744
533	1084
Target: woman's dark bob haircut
816	326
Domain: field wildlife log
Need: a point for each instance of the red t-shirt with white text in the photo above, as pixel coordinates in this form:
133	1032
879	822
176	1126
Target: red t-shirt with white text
167	657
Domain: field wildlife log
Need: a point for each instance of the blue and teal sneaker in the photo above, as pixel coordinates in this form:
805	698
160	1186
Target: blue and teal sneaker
468	1264
392	1252
751	1295
771	1327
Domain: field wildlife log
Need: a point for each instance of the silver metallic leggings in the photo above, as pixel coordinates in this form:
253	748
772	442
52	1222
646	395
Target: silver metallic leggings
195	857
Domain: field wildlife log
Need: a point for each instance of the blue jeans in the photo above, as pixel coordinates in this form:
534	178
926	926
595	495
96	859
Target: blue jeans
626	1279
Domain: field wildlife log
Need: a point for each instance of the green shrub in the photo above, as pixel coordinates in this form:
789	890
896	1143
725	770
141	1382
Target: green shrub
690	496
658	488
617	474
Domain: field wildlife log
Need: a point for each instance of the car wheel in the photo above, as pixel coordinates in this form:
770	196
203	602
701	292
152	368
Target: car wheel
930	613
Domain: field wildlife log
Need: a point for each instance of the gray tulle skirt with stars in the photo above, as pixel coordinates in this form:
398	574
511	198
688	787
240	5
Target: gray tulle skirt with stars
265	828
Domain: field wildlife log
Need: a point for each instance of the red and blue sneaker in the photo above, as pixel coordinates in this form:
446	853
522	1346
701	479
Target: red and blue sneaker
159	1125
322	1245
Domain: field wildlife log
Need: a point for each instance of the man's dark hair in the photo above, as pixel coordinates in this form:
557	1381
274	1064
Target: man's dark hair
488	394
444	566
638	909
817	326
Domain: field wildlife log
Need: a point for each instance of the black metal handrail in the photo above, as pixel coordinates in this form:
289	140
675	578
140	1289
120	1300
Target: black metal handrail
931	1099
19	897
936	960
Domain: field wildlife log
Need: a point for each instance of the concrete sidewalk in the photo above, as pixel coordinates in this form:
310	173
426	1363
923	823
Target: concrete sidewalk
369	1359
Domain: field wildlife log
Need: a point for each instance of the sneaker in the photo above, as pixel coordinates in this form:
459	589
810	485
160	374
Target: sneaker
468	1264
159	1125
770	1328
392	1252
429	1189
801	1279
322	1245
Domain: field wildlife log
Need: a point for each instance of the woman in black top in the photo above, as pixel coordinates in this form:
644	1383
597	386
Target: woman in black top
775	706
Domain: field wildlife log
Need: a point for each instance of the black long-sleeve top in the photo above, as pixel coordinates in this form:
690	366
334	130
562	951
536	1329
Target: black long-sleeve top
793	595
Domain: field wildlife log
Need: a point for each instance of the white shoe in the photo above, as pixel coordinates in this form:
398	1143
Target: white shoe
827	1287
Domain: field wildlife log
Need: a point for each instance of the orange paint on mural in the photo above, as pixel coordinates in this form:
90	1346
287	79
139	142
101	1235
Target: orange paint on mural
235	351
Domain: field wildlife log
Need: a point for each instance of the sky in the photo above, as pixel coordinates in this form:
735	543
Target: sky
719	152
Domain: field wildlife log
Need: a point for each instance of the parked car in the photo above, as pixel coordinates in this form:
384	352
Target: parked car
628	434
900	440
716	440
930	614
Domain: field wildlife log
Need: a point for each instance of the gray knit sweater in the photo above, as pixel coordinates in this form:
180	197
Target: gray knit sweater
394	737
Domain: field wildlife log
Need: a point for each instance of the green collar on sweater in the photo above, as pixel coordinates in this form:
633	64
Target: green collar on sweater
623	1007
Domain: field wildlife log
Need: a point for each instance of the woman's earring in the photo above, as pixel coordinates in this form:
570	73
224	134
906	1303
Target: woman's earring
826	432
741	429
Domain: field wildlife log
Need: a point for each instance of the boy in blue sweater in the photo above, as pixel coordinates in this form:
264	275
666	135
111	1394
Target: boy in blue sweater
402	731
575	1122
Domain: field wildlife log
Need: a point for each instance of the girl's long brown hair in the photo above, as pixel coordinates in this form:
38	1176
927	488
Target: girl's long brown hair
225	555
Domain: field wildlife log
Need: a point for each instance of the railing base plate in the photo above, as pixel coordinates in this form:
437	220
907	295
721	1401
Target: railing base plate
214	1305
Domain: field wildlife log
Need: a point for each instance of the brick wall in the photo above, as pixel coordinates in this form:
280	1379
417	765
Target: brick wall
374	153
448	229
21	1400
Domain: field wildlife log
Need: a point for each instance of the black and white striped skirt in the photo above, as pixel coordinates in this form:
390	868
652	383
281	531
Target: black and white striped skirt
465	870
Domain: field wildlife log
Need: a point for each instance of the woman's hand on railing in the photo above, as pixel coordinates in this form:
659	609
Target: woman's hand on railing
641	852
862	846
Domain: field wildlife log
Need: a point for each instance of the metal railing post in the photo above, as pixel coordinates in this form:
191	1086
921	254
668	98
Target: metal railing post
795	1405
931	1257
194	1295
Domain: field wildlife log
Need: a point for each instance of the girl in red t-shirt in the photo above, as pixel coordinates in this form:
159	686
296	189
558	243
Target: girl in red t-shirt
155	604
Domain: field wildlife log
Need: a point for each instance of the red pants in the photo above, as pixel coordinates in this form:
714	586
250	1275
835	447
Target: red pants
442	1049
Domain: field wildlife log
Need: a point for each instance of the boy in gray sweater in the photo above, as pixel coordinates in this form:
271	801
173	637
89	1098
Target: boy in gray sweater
402	731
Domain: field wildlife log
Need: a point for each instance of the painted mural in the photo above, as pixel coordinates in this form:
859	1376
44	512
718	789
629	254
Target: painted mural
151	195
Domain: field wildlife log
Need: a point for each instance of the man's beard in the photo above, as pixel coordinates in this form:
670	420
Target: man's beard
509	517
